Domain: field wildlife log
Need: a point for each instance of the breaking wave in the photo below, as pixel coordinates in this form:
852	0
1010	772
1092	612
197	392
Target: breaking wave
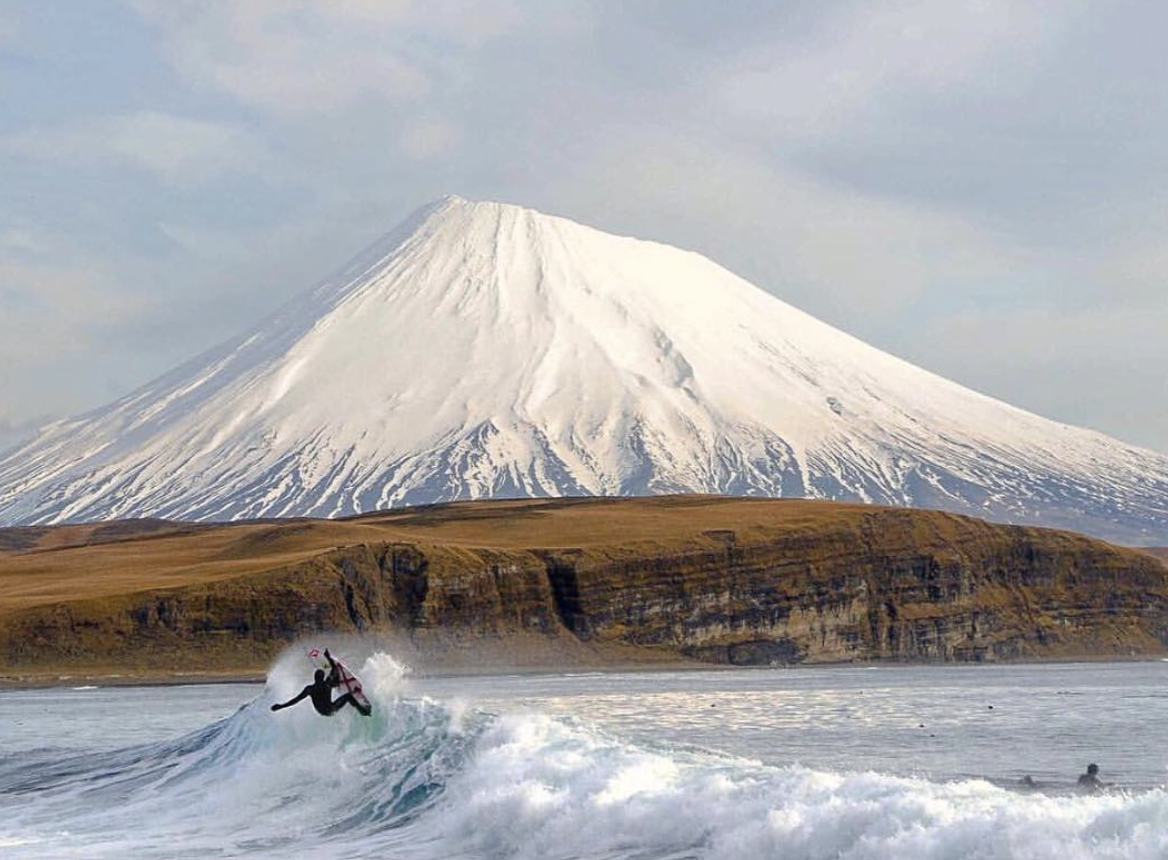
423	778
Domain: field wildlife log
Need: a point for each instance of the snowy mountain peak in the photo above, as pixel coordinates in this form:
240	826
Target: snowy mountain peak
486	350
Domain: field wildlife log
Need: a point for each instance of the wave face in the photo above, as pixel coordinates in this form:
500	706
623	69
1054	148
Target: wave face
426	779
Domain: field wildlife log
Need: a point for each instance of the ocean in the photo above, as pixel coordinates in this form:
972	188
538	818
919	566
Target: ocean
858	763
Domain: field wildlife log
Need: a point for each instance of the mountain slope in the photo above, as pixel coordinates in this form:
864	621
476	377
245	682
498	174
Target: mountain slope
485	350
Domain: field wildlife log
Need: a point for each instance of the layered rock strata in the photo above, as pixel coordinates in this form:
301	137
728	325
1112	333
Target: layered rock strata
731	581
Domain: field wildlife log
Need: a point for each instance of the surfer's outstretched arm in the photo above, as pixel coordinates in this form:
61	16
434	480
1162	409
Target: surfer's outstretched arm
293	701
334	677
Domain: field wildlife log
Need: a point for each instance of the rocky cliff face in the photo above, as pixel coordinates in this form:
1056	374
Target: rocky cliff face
861	584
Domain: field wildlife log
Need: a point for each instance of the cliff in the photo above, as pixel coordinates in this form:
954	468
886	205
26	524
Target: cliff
575	581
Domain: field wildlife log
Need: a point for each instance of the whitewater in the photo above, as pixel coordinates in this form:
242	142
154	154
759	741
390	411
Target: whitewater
572	767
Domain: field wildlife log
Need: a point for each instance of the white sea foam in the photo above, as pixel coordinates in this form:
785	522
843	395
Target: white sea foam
567	792
422	780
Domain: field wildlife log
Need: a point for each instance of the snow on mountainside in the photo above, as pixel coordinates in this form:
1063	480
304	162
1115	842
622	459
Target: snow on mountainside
485	350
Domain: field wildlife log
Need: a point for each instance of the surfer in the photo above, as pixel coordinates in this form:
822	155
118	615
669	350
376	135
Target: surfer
1090	781
321	692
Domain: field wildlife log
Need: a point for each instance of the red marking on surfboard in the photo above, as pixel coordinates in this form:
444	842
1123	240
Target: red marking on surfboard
349	682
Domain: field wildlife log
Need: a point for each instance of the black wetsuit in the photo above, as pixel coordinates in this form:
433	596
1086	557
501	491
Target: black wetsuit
322	698
1090	782
321	693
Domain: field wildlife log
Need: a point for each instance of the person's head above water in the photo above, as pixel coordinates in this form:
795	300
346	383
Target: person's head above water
1092	769
319	676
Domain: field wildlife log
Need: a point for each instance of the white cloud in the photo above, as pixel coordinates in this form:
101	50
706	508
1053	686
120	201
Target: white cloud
20	240
865	54
285	56
1136	268
174	149
49	306
428	138
50	314
60	312
306	56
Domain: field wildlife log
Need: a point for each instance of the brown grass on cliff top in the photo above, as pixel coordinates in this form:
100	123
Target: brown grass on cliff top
51	565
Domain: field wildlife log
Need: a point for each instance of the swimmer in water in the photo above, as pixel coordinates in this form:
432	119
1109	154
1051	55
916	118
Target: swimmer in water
1090	781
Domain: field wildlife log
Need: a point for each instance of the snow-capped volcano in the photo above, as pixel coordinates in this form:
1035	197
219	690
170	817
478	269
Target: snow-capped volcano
486	350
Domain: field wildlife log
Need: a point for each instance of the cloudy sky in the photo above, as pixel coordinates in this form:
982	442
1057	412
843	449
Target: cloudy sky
980	187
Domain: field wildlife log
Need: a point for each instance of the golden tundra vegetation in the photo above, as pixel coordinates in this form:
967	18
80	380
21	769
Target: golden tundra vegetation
572	582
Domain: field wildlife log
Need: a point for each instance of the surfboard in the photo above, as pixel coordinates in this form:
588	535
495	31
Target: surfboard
347	682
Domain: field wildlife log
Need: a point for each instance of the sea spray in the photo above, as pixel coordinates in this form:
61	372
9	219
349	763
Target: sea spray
386	679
